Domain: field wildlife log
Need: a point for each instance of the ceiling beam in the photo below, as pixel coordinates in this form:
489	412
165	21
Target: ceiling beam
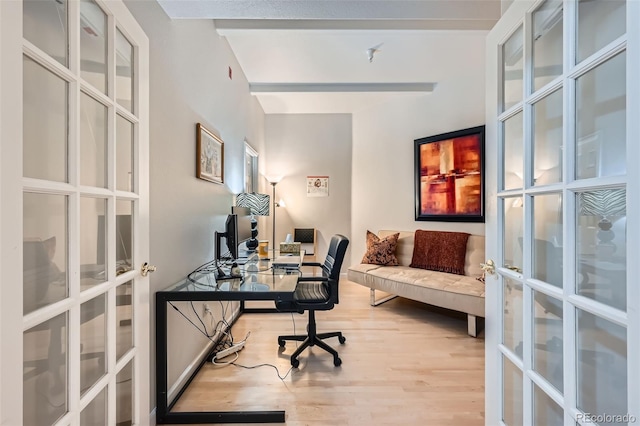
339	87
482	10
350	24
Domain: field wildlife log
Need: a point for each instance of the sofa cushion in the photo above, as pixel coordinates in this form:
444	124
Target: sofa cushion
381	251
475	251
440	251
457	292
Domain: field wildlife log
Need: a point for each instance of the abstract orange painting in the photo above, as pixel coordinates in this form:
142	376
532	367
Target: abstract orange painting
449	173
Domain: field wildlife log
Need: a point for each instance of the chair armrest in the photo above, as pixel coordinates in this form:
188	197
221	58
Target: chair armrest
312	264
313	279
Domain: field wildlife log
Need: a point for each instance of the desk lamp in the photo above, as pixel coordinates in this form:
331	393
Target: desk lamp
604	203
258	204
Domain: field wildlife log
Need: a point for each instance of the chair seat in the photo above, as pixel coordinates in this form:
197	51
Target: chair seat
311	292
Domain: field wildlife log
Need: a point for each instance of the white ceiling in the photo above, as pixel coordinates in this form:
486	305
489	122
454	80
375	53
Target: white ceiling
310	56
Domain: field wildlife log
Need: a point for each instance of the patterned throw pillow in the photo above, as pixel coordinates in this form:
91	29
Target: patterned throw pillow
381	251
440	251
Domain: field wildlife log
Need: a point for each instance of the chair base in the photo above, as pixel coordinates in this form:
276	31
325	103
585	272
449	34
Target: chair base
313	339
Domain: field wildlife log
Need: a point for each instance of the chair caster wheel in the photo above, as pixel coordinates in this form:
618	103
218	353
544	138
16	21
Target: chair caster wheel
295	363
337	362
281	342
342	339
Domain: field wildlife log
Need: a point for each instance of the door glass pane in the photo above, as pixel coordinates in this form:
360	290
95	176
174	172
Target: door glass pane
512	316
45	25
547	339
124	236
93	142
44	250
93	241
601	246
547	43
124	317
511	393
124	71
512	162
545	410
601	366
45	391
95	413
513	216
601	120
547	244
93	45
93	342
547	139
124	154
512	70
124	396
599	23
45	123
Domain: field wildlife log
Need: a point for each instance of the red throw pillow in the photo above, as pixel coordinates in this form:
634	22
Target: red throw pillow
440	251
381	251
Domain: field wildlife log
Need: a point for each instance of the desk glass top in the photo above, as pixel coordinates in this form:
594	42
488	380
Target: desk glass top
257	276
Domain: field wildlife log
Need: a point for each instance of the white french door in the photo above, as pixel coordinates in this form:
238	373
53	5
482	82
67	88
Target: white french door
563	309
75	314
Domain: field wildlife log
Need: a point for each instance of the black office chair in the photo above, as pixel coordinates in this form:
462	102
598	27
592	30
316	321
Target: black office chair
317	293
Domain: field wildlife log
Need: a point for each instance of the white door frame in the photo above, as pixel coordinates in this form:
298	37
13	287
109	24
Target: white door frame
11	215
513	18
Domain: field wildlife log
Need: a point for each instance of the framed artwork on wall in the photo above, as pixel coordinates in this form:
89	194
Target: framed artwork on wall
449	176
209	155
317	186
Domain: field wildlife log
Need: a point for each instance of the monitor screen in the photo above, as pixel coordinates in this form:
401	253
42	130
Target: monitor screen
237	229
244	223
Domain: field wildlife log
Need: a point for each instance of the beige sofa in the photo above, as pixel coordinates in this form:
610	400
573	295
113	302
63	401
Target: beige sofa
463	293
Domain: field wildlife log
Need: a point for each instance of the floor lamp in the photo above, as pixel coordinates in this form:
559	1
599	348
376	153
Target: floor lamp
273	180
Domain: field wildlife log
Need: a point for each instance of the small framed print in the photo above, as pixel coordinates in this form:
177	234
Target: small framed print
209	155
317	186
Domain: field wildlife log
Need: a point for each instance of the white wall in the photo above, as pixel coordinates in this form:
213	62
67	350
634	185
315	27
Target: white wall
301	145
383	145
189	83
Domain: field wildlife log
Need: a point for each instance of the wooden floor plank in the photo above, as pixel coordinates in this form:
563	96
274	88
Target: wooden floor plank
403	363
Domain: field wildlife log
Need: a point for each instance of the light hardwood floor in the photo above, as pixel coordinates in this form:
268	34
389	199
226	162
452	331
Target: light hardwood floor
403	363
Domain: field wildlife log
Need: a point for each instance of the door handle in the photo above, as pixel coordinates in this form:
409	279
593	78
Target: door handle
146	268
488	267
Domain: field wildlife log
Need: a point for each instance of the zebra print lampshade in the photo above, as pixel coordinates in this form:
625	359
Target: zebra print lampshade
605	202
258	203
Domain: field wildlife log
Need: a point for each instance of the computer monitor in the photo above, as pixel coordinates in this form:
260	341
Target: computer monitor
237	229
244	223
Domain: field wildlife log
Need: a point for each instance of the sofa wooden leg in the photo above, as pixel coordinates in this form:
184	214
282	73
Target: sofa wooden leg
474	325
374	302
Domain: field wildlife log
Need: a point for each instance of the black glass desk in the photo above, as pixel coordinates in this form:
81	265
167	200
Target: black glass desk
259	282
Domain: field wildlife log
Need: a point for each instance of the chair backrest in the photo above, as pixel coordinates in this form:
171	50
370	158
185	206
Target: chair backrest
335	256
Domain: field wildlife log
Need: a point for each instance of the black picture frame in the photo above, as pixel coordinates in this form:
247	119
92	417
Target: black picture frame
449	176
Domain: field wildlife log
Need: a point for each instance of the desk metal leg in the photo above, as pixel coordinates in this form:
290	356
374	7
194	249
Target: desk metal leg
163	412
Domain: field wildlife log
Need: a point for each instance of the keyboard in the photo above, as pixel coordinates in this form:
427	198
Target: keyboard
287	262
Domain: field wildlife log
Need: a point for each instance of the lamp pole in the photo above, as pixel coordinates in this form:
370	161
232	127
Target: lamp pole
273	180
273	228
